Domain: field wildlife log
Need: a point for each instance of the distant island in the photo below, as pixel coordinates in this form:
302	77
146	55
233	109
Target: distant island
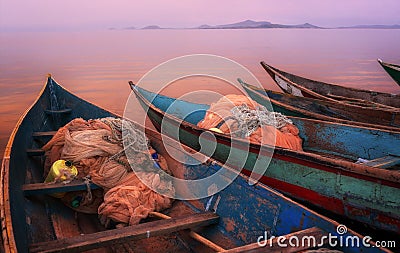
150	27
250	24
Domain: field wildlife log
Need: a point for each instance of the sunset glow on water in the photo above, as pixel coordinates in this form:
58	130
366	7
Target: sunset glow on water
98	65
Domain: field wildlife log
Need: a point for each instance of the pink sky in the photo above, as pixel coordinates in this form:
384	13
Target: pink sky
85	14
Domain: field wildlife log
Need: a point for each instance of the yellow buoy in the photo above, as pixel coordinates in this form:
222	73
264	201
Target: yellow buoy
61	170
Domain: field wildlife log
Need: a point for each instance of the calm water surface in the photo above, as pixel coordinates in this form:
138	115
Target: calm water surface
98	65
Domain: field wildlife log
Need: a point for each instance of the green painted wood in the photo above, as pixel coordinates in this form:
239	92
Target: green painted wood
392	69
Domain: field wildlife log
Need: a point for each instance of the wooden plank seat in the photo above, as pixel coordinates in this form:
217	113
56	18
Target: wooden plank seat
192	234
40	136
35	152
274	246
61	111
51	188
43	134
384	162
121	235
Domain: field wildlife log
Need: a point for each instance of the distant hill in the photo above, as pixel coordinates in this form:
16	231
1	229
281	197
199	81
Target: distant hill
371	27
150	27
247	24
204	27
307	25
243	24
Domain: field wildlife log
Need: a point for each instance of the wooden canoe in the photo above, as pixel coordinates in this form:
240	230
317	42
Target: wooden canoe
32	221
300	86
392	69
317	109
324	175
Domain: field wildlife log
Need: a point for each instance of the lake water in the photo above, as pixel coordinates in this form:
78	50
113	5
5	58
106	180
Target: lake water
97	65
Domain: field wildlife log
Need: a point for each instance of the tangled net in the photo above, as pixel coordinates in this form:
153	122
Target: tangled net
249	120
96	148
242	117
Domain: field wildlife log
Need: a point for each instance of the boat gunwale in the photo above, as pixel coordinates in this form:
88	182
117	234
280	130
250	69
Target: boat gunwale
390	65
381	107
392	70
383	176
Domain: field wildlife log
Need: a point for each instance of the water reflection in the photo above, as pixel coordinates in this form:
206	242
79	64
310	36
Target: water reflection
98	65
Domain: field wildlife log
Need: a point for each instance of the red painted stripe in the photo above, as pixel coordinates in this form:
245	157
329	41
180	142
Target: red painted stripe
384	222
329	203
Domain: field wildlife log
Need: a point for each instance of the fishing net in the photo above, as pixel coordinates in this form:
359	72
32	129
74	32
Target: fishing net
96	148
130	200
242	117
249	120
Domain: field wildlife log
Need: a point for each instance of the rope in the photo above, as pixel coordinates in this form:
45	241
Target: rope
64	173
124	131
87	181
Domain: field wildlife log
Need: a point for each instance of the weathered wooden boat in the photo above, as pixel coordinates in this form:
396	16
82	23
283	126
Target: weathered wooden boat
392	69
241	215
324	175
317	109
303	87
